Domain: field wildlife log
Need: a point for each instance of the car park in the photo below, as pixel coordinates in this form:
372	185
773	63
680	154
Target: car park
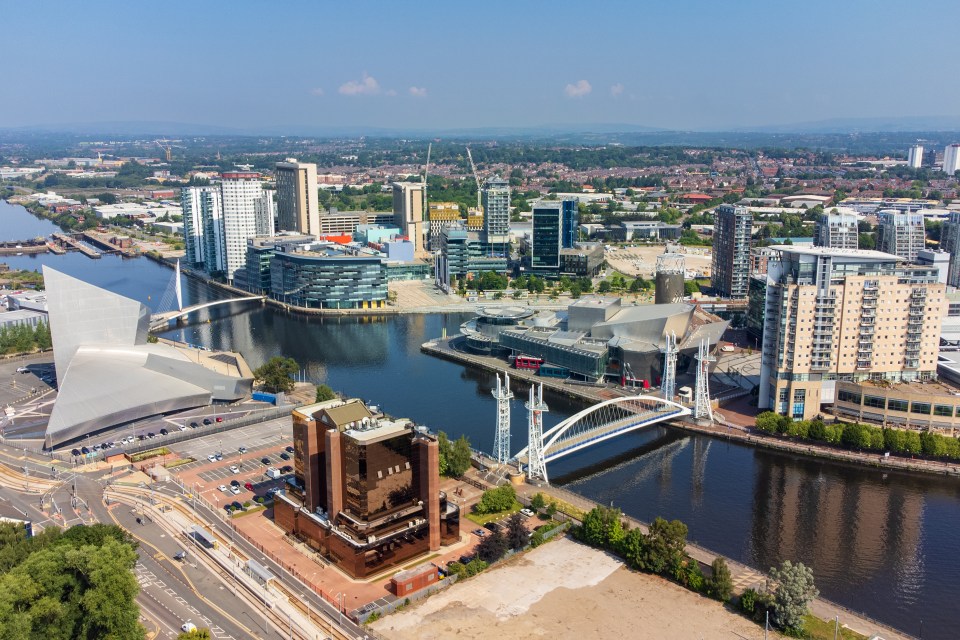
223	488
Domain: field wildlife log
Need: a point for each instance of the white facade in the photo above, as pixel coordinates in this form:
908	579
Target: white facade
837	231
266	214
901	234
938	259
915	156
241	190
951	159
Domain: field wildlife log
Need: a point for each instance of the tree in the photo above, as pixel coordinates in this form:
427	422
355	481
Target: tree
517	535
444	449
196	634
720	583
604	287
769	421
325	393
665	545
537	502
459	457
795	590
277	374
492	547
632	548
691	287
497	499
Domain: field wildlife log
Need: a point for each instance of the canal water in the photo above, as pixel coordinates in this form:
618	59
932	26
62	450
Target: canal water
882	544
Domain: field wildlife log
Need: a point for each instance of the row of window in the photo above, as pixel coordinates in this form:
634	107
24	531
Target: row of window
897	404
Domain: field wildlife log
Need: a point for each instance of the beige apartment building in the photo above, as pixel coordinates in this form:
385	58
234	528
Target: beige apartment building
408	212
849	315
298	207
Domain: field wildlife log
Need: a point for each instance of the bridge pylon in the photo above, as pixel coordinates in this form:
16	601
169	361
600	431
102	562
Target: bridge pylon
536	460
501	439
702	410
669	384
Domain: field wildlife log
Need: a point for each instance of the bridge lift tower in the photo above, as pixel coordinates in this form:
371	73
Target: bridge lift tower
669	384
501	439
536	462
701	405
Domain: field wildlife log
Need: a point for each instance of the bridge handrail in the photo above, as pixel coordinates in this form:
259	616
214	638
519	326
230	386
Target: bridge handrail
648	418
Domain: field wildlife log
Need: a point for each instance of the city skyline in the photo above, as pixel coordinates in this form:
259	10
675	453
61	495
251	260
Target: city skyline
692	65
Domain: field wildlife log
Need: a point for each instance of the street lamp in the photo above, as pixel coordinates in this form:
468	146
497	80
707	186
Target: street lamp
340	597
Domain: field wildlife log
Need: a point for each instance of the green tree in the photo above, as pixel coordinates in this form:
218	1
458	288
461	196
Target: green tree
795	590
517	535
276	374
492	547
325	393
720	584
769	421
665	545
633	547
497	500
604	287
444	449
537	502
459	458
691	287
197	634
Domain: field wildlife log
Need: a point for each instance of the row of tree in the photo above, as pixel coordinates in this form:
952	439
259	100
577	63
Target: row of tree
69	585
862	437
455	456
24	338
662	550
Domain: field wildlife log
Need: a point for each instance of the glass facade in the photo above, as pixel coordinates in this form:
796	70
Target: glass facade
328	282
571	219
378	479
547	227
588	364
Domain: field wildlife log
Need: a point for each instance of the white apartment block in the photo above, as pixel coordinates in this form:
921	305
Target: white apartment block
241	190
915	156
951	159
902	234
837	230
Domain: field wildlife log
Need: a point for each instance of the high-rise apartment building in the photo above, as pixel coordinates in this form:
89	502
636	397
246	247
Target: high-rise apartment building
298	208
837	230
496	214
240	192
902	234
951	159
365	491
440	214
266	213
203	228
546	238
915	156
949	242
848	315
408	212
730	273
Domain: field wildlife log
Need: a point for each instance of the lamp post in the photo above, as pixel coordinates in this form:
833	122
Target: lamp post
340	598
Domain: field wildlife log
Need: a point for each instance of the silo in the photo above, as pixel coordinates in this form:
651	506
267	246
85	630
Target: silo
669	279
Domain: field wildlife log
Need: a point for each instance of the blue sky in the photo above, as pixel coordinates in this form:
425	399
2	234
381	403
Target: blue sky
680	64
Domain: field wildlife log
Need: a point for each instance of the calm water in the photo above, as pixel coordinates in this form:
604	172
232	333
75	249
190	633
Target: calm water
878	543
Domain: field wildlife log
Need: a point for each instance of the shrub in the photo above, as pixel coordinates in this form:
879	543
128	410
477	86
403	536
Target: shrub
720	584
748	601
497	499
537	539
476	566
458	569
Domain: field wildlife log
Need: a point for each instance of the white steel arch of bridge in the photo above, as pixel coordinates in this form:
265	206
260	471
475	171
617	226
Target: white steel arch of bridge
603	421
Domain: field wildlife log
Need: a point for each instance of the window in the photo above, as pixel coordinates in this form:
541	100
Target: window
897	405
943	410
920	407
874	401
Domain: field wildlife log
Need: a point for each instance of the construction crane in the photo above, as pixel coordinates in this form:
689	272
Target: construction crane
426	170
476	177
167	150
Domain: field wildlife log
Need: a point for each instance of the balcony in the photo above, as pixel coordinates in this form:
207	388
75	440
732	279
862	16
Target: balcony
868	313
867	331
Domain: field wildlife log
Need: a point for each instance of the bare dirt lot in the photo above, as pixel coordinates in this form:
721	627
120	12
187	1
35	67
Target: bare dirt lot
566	590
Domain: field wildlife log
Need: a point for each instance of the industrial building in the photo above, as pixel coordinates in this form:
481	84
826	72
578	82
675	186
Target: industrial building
848	315
365	492
109	374
596	338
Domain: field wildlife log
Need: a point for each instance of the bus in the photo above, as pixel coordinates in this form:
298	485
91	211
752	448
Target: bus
527	362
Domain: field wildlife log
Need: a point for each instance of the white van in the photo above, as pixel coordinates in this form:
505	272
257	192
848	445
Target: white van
273	472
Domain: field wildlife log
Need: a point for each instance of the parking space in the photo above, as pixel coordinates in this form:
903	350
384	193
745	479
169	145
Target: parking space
255	438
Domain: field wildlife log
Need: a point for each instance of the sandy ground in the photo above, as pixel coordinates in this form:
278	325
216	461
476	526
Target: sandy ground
566	590
642	260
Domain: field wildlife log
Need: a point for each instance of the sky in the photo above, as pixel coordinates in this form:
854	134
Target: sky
424	65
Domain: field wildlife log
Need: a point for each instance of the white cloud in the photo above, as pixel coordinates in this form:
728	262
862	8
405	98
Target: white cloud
578	89
317	91
368	86
616	89
418	92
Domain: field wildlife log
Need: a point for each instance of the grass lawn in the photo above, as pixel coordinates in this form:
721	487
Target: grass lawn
817	629
484	518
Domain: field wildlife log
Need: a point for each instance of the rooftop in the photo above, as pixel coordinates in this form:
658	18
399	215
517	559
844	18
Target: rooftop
864	254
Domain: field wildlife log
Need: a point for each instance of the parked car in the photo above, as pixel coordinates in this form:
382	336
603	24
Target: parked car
194	425
206	421
527	512
289	449
234	469
151	434
212	458
183	427
223	488
75	452
285	455
84	450
248	486
219	418
164	432
242	449
234	483
235	490
219	456
286	469
479	533
265	460
273	473
236	505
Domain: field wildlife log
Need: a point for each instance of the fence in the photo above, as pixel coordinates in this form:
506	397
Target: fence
383	609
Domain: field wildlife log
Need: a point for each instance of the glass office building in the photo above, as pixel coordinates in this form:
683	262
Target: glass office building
328	279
